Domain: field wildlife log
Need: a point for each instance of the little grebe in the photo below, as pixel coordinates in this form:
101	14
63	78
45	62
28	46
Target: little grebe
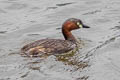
55	46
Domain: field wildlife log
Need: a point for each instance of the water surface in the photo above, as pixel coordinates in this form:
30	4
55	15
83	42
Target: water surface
24	21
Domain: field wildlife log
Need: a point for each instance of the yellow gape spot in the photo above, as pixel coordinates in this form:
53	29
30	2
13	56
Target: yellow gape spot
80	25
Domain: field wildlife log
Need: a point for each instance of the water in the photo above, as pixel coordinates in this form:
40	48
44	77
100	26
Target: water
24	21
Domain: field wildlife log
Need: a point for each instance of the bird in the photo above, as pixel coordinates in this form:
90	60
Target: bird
55	46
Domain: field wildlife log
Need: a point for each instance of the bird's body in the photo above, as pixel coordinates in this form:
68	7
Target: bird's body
48	46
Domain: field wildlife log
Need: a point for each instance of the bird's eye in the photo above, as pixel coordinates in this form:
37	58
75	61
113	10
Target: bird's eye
80	25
